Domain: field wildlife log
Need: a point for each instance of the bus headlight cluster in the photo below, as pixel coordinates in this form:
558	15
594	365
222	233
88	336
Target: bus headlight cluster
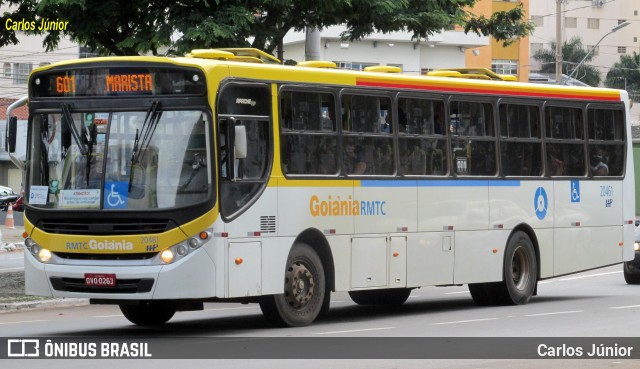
179	251
43	255
636	246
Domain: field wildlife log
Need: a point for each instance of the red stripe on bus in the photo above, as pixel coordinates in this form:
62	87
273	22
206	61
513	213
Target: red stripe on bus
487	91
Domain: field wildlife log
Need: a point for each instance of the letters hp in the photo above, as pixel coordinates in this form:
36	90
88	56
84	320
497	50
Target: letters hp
23	348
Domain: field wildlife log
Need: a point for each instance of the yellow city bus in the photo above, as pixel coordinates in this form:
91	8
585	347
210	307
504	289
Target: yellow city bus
161	183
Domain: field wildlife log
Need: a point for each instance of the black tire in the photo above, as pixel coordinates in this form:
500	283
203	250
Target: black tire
304	290
389	297
629	276
485	294
149	313
519	278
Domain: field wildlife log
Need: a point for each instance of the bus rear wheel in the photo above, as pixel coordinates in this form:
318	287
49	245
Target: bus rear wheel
520	276
304	290
149	313
391	297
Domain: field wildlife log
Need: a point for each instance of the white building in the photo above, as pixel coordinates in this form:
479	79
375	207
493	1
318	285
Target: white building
591	20
442	50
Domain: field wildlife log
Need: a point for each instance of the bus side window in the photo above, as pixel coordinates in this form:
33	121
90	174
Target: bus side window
308	131
606	142
473	144
364	114
520	141
565	141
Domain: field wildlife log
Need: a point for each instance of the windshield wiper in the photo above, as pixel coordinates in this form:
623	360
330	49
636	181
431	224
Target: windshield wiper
74	131
146	132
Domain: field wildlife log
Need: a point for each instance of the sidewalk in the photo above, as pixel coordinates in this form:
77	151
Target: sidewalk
12	242
11	238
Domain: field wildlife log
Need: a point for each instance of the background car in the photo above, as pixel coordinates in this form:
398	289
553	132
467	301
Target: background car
7	196
631	268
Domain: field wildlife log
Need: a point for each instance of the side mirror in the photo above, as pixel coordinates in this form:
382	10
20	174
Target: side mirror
12	129
240	142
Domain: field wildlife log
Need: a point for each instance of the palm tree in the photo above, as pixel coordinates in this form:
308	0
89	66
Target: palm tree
625	74
572	53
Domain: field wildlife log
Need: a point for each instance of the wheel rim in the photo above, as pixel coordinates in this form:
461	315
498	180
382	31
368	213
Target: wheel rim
520	268
299	285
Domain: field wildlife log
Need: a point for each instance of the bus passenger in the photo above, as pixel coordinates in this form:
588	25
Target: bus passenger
598	167
557	167
354	160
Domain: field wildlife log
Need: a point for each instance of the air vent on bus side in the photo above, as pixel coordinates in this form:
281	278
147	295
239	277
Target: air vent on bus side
268	224
111	227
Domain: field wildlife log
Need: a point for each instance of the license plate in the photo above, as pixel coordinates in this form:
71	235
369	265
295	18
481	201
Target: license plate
102	280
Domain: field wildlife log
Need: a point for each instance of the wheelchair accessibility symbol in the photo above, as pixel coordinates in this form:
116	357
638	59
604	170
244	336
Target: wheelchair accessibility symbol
115	195
540	203
575	191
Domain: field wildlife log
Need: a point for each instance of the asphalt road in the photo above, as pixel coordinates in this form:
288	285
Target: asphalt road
11	261
597	303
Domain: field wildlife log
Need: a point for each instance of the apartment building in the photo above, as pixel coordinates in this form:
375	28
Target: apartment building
590	20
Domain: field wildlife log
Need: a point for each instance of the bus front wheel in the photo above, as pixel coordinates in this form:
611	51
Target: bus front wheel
630	277
149	313
304	290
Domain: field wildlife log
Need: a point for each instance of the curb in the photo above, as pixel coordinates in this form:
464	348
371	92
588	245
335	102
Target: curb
42	305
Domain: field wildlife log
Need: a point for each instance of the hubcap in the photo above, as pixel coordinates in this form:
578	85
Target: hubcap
520	268
299	285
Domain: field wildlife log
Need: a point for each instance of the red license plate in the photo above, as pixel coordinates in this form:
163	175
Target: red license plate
102	280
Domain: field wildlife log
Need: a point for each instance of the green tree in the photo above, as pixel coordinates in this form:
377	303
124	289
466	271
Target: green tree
140	26
625	74
572	53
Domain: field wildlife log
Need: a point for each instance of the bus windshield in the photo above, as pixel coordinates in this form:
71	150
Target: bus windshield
135	160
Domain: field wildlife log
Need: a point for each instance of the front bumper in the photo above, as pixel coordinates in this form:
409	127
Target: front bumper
189	278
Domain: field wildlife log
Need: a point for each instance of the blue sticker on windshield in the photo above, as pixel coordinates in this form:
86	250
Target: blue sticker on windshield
115	195
540	203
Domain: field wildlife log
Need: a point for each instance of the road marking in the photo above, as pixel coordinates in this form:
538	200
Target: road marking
358	330
465	321
340	301
414	296
25	321
455	293
625	307
589	276
558	312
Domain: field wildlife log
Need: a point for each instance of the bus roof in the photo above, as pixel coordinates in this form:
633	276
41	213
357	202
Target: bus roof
206	59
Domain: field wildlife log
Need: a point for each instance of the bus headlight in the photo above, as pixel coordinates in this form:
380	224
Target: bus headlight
178	251
43	255
182	250
167	256
636	246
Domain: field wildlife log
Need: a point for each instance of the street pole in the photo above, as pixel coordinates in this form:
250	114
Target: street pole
614	29
558	42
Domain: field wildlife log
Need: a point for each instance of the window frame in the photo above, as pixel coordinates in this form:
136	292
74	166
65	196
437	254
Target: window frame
526	140
491	102
284	132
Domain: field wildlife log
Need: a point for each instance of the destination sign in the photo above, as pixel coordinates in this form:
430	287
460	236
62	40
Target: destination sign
117	81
